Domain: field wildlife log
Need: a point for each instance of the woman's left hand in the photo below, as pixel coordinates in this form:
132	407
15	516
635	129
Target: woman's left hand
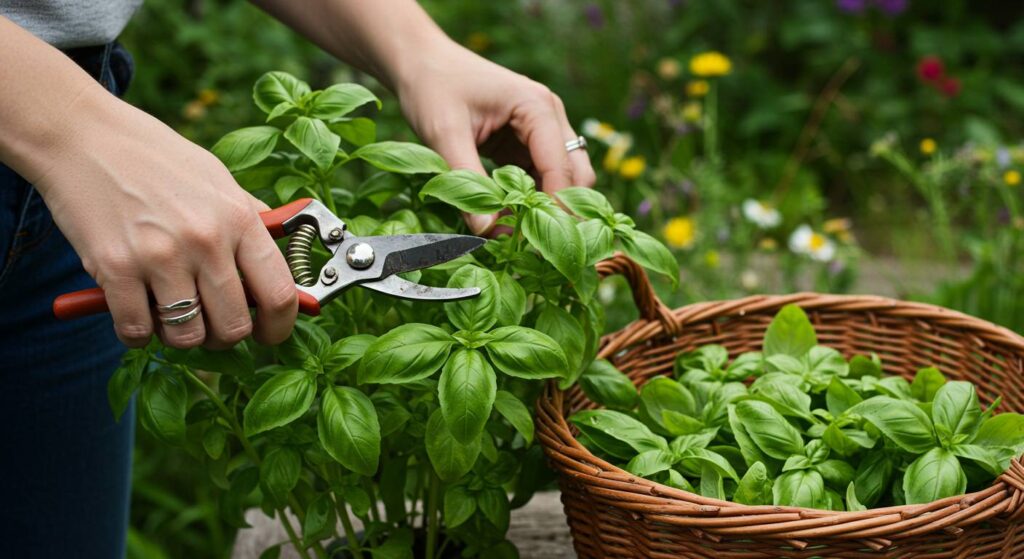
463	105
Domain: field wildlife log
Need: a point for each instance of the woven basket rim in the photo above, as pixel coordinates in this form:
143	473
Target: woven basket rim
572	459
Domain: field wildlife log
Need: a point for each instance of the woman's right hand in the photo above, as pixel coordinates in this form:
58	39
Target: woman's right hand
149	211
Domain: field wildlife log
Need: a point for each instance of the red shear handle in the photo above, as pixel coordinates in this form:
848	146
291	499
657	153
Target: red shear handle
274	219
92	301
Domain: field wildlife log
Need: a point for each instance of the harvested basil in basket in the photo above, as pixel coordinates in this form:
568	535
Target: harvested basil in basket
811	430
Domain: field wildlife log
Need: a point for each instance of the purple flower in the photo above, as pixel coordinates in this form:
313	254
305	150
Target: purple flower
595	16
892	7
1003	158
644	208
685	186
836	267
852	6
636	107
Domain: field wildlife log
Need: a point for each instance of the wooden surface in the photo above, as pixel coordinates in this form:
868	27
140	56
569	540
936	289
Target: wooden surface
538	530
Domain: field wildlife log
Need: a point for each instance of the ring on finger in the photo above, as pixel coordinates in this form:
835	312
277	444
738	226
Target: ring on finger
578	143
179	305
182	318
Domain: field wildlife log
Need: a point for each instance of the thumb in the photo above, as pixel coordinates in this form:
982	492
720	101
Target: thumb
459	150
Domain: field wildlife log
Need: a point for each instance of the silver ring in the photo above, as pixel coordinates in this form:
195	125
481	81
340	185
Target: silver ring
578	143
182	318
179	305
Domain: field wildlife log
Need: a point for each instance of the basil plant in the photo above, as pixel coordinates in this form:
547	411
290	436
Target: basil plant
413	417
811	429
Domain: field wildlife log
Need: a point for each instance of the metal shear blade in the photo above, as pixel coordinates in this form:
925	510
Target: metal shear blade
397	286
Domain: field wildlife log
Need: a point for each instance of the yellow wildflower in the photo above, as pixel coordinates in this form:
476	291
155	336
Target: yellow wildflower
710	64
599	130
1011	177
613	158
928	146
680	232
840	228
768	244
194	110
208	97
697	88
478	41
668	68
712	259
692	112
632	167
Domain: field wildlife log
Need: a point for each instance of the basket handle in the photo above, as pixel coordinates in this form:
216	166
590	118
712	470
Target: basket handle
647	302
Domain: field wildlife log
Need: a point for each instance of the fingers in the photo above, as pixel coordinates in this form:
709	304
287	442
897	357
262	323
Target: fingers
172	283
579	160
227	313
539	128
129	306
458	147
270	284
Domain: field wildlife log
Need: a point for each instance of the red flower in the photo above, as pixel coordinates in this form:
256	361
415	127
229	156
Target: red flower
950	87
930	69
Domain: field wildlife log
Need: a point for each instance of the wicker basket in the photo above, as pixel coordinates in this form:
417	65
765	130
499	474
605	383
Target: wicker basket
612	513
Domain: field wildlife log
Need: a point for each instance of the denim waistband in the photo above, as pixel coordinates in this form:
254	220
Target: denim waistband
109	64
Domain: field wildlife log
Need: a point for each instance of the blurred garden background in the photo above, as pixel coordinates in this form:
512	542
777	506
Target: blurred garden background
834	145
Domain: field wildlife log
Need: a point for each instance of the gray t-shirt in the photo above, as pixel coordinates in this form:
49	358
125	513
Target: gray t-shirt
71	23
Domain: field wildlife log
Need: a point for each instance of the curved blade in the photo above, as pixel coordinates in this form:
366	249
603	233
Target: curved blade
405	253
396	286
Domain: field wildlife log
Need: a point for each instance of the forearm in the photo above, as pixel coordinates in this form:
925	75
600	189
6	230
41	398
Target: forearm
382	37
44	97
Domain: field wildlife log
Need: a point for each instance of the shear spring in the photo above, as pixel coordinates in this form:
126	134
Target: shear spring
299	254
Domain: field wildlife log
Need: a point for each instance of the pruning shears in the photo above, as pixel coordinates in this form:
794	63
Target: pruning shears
369	262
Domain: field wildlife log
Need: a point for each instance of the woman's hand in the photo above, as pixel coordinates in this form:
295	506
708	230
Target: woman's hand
463	105
147	210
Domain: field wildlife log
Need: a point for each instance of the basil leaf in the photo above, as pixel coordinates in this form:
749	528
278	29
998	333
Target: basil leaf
391	412
349	429
401	157
711	484
662	393
900	421
313	139
607	386
341	99
1003	430
163	403
307	339
861	367
797	462
478	313
599	240
511	303
956	406
356	131
279	473
823	360
246	147
839	397
745	365
651	254
459	505
274	88
769	429
895	387
799	488
467	190
493	502
748	448
783	395
406	354
983	456
513	410
934	475
526	353
755	488
513	179
320	520
467	391
926	383
846	442
836	472
567	332
586	203
790	333
708	459
873	476
125	381
678	424
617	433
345	352
716	409
450	458
852	504
650	462
553	232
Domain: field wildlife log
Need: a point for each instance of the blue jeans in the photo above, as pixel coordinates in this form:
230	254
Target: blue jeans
65	463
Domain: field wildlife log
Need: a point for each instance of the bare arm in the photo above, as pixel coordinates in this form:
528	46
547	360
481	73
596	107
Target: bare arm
146	210
455	100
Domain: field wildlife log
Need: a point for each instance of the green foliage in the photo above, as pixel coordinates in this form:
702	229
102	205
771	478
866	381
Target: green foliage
810	431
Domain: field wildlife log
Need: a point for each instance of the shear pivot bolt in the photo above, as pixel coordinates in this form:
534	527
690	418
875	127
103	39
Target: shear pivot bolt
360	256
335	234
330	275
